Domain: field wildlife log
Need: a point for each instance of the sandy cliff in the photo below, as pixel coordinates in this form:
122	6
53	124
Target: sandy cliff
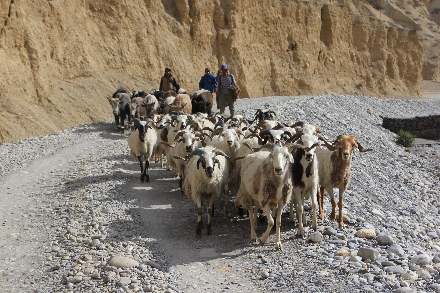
59	59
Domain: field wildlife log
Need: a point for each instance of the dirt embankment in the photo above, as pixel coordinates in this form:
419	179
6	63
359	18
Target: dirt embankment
60	60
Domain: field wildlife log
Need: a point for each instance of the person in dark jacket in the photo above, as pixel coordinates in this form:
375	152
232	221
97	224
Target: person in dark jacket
208	81
168	82
225	80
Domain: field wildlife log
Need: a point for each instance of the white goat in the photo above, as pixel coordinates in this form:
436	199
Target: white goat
206	183
141	143
266	179
178	123
150	104
185	142
334	171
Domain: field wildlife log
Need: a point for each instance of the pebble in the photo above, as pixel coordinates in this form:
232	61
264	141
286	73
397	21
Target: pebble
366	233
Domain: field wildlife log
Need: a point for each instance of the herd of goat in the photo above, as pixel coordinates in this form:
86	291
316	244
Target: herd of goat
265	163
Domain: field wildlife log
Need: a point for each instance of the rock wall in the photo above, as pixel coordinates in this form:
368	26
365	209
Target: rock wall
61	58
422	127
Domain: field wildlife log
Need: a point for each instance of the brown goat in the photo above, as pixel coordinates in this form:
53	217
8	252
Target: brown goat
334	172
182	103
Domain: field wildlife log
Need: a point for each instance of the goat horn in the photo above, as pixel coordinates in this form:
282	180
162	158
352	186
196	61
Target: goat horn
180	158
247	145
207	128
312	147
292	146
295	137
236	159
167	144
361	149
215	132
266	146
178	135
221	153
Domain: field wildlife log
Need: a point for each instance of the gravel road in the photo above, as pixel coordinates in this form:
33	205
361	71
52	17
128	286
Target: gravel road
75	217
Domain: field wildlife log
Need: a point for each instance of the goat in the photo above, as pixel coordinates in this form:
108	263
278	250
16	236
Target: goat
162	129
334	172
161	96
304	177
261	115
266	179
136	110
178	123
202	102
150	104
184	143
141	143
182	103
206	183
120	103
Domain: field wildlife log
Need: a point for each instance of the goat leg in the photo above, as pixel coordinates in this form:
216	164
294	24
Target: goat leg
341	205
116	119
278	225
270	223
333	213
147	166
314	206
199	221
320	196
142	169
210	214
299	215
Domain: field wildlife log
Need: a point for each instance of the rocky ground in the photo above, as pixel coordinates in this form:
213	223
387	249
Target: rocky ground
75	217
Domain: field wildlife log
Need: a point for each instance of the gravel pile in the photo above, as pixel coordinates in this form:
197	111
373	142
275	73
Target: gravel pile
70	222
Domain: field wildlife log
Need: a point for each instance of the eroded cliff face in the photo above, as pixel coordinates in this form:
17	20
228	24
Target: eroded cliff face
61	58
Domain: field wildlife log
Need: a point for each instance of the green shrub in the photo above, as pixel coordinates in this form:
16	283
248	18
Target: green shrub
405	138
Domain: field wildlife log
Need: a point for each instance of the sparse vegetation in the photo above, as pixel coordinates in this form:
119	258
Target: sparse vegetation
359	86
405	139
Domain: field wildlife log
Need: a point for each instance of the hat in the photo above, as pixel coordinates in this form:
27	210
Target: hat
207	69
167	69
224	66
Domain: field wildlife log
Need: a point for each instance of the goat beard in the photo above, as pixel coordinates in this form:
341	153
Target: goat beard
309	169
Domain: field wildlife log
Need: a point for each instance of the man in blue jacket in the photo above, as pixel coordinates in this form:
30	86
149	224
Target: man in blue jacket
208	81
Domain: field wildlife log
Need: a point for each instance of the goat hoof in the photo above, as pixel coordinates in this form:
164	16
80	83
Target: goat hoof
241	212
278	246
208	229
147	178
142	178
199	229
